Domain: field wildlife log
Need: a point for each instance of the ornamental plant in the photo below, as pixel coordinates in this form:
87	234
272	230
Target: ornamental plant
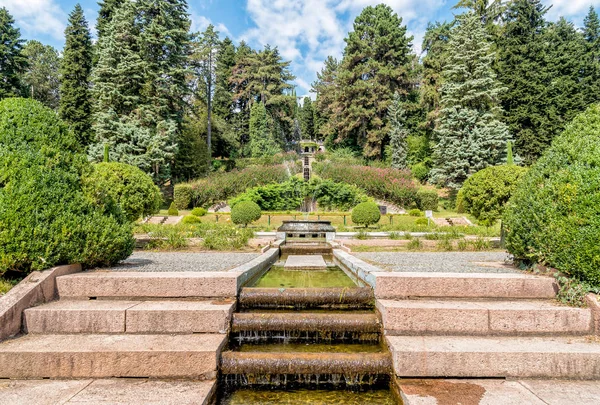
198	212
553	217
245	212
366	214
173	209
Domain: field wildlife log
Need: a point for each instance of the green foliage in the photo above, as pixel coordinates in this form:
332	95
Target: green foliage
227	238
173	209
75	106
366	213
571	291
415	244
261	140
510	160
41	79
422	221
470	134
398	133
553	217
126	185
307	119
105	15
12	61
191	219
192	159
245	212
182	196
416	213
199	212
420	171
45	218
485	193
427	200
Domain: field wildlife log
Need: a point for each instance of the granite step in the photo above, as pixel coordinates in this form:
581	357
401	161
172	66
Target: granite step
111	316
104	356
330	297
505	357
402	285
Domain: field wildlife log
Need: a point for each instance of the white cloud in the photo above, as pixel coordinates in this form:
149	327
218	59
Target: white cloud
200	23
570	8
37	17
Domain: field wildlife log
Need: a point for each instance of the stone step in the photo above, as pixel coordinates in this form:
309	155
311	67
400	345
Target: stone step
521	317
121	284
108	316
506	357
102	356
400	285
332	297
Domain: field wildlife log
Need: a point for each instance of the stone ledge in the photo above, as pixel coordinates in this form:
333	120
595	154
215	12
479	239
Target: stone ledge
594	305
365	271
255	267
35	289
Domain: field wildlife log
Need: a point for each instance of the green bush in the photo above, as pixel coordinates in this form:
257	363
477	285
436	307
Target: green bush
420	171
130	187
191	219
416	213
553	217
422	221
366	214
182	196
486	192
173	210
45	217
199	212
427	200
245	212
227	238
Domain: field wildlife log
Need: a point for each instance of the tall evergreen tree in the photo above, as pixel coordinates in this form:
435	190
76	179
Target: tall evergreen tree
223	99
75	102
105	15
398	133
41	79
307	119
326	91
12	61
192	159
591	33
470	135
376	64
261	140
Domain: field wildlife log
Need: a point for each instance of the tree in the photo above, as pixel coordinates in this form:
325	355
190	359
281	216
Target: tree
470	135
192	159
223	98
41	78
105	15
307	119
261	140
591	34
12	61
376	64
75	106
398	133
325	89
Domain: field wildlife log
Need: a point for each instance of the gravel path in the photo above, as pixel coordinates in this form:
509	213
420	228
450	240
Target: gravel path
178	261
452	262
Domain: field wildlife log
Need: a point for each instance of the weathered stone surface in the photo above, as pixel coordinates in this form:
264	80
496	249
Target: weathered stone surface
180	317
78	316
144	284
462	285
308	262
102	356
565	392
436	356
39	392
594	305
521	317
35	289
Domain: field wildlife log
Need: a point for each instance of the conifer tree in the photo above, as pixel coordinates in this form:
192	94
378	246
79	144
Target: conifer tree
591	33
398	133
75	99
41	79
12	61
326	92
376	64
261	140
105	15
470	135
223	99
307	119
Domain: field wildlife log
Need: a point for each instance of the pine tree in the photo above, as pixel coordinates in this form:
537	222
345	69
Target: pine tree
398	133
307	119
192	159
41	79
261	140
326	92
75	98
105	15
470	135
591	80
376	64
12	61
223	99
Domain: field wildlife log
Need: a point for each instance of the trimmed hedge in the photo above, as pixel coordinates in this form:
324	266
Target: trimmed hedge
245	212
485	194
427	200
45	218
366	214
553	217
199	212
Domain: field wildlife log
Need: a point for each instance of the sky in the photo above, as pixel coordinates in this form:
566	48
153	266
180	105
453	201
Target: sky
306	32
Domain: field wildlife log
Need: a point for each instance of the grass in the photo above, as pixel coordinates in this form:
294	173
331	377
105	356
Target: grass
6	285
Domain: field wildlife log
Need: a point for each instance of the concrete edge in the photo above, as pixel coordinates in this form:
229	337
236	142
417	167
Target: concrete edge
594	304
362	269
255	267
37	288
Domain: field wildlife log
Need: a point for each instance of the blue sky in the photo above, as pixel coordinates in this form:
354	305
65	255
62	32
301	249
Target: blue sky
306	32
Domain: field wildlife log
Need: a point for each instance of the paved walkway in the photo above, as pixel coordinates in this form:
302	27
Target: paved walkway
453	262
179	261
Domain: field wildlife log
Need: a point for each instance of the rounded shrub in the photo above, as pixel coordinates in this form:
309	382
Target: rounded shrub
420	171
416	213
173	211
366	213
45	217
422	221
191	219
427	200
182	196
553	217
198	211
245	212
485	194
130	187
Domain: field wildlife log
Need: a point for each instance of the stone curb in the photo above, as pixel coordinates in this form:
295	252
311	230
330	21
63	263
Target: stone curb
37	288
362	269
256	266
594	305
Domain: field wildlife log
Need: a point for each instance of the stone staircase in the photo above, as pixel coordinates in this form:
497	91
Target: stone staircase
122	324
485	325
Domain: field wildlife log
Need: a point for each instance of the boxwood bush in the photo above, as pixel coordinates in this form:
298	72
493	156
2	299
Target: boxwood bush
130	187
427	200
245	212
366	214
45	217
554	215
199	212
485	194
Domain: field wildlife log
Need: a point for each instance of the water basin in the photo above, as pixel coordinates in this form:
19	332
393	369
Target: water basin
279	277
246	396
